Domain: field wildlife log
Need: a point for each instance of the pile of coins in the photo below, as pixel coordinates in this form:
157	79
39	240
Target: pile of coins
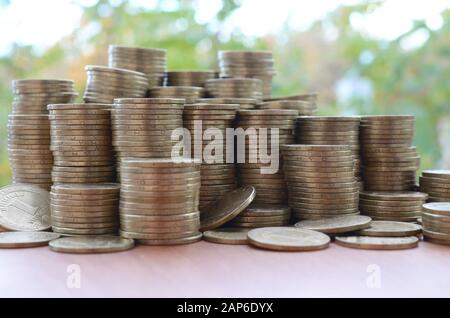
217	178
190	94
159	201
188	78
321	181
437	184
270	185
85	209
104	84
151	62
392	206
327	130
389	161
81	143
262	216
304	108
436	222
235	88
250	64
244	103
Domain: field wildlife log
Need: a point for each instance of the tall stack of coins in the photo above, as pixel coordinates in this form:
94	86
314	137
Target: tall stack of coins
436	222
270	185
217	178
251	64
321	181
235	88
81	143
327	130
190	94
262	216
244	103
392	206
151	62
389	161
189	78
159	201
85	209
304	108
437	184
104	84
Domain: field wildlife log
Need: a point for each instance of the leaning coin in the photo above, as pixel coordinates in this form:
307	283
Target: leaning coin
26	239
234	236
91	244
391	229
377	243
336	225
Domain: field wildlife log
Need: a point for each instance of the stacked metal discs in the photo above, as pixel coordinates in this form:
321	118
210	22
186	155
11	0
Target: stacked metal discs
436	222
151	62
312	98
159	201
389	161
81	143
326	130
189	78
251	64
244	103
437	184
217	178
235	88
85	209
262	216
104	84
270	186
304	108
392	206
190	94
321	182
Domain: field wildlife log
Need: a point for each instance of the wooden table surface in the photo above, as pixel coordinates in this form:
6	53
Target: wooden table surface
213	270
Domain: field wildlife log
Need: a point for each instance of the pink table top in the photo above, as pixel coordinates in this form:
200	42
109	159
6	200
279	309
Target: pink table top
213	270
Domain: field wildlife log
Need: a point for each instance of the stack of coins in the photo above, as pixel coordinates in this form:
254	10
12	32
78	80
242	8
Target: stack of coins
81	143
188	78
262	216
436	222
217	178
33	96
326	130
312	98
270	185
251	64
321	181
304	108
159	201
244	103
29	151
437	184
392	206
104	84
85	209
151	62
189	93
389	161
235	88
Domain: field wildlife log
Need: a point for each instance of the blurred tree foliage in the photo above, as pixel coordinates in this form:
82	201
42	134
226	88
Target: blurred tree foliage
399	81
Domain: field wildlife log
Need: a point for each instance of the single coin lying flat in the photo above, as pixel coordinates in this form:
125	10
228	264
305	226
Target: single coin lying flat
234	236
91	244
377	243
26	239
391	229
336	225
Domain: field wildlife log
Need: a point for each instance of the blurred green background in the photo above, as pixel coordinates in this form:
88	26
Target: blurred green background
362	57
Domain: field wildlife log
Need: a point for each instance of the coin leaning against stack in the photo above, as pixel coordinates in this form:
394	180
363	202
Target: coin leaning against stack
151	62
436	222
304	108
190	94
85	209
389	162
235	88
159	201
437	184
188	78
217	175
81	143
321	181
258	215
104	84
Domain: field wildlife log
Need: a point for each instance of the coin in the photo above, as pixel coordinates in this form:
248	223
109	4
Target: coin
26	239
337	225
91	244
234	236
391	229
187	240
377	243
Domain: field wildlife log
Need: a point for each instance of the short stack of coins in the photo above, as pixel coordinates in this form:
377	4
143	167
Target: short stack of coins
188	78
151	62
328	130
270	186
217	178
85	209
392	206
81	143
235	88
437	184
104	84
304	108
190	94
389	162
262	216
159	201
321	181
249	64
436	222
244	103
